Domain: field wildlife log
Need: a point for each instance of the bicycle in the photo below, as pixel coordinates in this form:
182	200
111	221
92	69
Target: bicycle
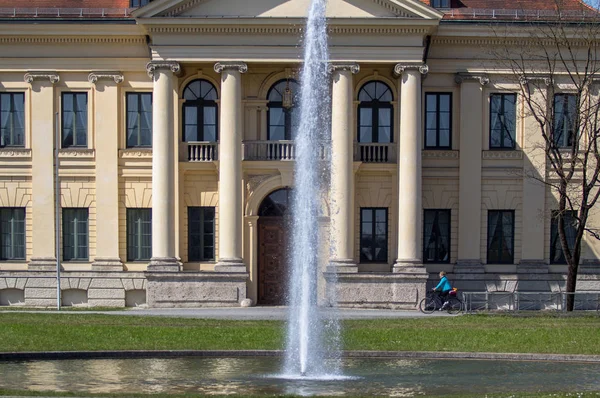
432	302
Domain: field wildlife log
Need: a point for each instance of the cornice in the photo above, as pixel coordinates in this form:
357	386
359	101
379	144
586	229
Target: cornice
70	40
352	67
286	30
399	69
94	77
153	66
461	77
495	41
32	76
238	65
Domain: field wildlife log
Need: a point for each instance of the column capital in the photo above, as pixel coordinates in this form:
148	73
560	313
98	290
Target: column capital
545	80
239	65
482	78
153	66
399	69
31	76
117	77
337	66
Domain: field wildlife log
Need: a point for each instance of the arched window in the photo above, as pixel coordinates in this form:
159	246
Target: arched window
200	112
283	98
276	204
375	117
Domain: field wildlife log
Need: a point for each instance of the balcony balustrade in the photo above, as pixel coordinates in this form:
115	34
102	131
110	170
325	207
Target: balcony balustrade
277	150
375	152
202	151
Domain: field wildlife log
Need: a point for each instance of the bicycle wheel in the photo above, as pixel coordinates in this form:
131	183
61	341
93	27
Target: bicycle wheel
427	305
455	306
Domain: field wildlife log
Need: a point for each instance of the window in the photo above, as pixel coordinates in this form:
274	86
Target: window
74	120
501	232
201	233
557	256
503	119
139	3
12	119
565	114
12	233
436	236
373	235
200	112
139	120
283	98
440	3
375	118
139	234
438	115
75	234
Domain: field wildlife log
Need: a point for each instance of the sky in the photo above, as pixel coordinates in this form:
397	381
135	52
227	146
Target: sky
593	3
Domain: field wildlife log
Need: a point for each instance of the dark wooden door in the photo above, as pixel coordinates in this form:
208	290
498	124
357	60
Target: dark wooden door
272	261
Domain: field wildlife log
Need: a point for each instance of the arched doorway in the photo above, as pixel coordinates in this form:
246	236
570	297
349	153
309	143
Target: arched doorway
273	236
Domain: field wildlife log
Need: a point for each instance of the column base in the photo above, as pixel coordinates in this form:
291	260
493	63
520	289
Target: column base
107	264
469	267
532	267
409	266
342	266
42	264
230	265
164	264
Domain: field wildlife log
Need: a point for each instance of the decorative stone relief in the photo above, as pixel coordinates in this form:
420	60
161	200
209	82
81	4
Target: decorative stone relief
94	77
15	153
441	154
239	65
153	66
81	153
399	69
502	154
136	153
254	181
352	67
30	77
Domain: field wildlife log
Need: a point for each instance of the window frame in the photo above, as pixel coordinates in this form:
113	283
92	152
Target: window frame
202	221
66	211
139	95
139	248
138	3
490	237
436	261
375	106
571	137
12	111
74	112
373	234
555	238
502	147
437	120
440	3
288	113
12	234
200	105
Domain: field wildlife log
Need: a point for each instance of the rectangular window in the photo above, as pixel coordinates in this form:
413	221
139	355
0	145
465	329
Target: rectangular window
12	119
201	233
440	3
139	3
436	236
501	237
74	120
557	255
503	121
438	121
139	120
565	114
75	234
12	233
373	235
139	234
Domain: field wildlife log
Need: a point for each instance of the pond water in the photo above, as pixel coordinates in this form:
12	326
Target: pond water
261	375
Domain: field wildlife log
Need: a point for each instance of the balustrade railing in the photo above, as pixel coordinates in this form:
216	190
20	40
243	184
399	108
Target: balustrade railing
375	152
202	151
284	150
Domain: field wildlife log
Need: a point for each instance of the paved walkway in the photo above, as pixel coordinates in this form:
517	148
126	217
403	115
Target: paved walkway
254	313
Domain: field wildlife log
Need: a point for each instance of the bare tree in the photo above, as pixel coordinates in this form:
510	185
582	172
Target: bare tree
556	64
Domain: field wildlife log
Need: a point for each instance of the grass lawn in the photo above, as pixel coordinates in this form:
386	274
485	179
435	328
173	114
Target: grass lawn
486	333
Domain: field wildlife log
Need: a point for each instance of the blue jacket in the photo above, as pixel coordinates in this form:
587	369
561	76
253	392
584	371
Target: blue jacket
444	285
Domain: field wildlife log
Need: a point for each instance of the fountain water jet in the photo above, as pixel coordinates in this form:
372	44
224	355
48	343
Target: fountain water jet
311	337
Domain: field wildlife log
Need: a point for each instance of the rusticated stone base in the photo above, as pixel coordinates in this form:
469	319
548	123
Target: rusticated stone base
395	291
342	266
196	289
469	267
164	264
42	264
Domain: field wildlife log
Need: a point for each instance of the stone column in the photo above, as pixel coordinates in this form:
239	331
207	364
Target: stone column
469	203
43	136
163	167
107	170
410	254
342	169
534	193
230	167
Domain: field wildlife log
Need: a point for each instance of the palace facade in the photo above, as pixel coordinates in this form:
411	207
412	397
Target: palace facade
174	127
